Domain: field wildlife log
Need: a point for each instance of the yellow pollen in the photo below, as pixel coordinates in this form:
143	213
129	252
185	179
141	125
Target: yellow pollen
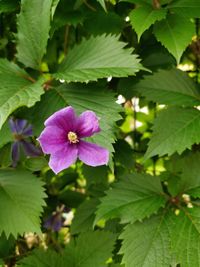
73	138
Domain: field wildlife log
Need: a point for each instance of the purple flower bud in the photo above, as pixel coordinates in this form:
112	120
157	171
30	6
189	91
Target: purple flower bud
62	138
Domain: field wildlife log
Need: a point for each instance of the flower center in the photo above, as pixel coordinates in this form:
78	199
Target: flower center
72	137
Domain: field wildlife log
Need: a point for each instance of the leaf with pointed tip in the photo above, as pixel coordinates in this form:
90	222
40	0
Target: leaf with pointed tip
98	57
33	31
144	16
170	87
188	8
174	130
90	249
134	198
16	91
147	244
21	202
175	33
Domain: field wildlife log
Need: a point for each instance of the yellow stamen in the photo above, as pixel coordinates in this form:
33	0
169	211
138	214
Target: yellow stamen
72	137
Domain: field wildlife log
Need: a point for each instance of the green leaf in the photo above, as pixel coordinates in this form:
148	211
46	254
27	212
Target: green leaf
98	57
147	244
90	249
21	201
144	16
188	169
8	5
84	217
102	102
187	8
175	33
16	91
41	258
33	31
134	198
185	236
174	130
170	87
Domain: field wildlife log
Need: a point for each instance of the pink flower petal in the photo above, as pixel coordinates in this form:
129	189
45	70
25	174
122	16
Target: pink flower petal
52	139
92	154
63	158
64	119
87	124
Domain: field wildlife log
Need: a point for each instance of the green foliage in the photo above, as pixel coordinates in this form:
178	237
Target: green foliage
144	16
187	8
98	57
175	33
21	198
90	247
147	244
16	91
181	134
84	216
143	208
134	198
33	31
170	87
41	258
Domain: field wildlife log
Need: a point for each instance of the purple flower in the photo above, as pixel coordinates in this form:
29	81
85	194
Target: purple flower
21	131
62	138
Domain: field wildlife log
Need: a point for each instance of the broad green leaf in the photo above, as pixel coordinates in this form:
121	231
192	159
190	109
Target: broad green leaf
33	31
8	5
84	217
187	168
98	57
144	16
42	258
21	202
147	244
174	130
16	90
188	8
175	33
185	236
90	249
102	102
134	198
171	87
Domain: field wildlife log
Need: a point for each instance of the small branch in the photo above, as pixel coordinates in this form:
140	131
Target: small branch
29	79
89	6
66	39
156	4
